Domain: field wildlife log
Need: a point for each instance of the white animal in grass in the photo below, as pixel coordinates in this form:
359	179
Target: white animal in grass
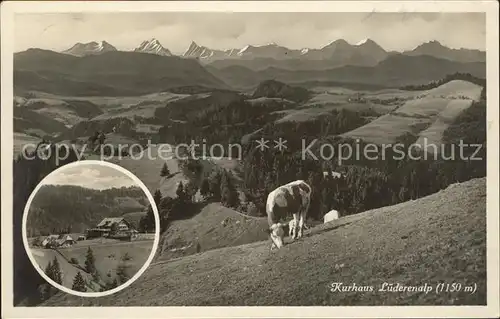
331	215
293	198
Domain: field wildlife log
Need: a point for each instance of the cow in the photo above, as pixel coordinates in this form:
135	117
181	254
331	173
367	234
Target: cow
293	198
291	227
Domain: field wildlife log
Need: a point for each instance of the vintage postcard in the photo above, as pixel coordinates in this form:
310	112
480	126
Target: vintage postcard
237	159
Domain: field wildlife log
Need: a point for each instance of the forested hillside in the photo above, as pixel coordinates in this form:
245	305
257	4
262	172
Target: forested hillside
67	208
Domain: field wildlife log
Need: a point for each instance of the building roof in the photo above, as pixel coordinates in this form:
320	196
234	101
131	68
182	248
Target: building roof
108	221
59	239
51	237
63	240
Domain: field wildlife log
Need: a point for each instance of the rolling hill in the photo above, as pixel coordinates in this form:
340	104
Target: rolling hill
275	89
147	168
67	111
395	71
214	227
36	123
426	115
107	74
438	238
68	271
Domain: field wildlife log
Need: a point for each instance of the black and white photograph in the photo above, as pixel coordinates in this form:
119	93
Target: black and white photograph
89	228
335	158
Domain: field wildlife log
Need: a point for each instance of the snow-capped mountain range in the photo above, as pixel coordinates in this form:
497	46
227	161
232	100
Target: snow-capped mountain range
365	52
153	46
91	48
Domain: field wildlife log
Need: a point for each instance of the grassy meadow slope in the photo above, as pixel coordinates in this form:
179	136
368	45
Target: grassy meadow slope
147	168
214	227
45	256
108	256
438	238
426	115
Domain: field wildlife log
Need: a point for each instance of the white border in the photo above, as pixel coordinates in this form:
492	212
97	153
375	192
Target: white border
491	310
83	164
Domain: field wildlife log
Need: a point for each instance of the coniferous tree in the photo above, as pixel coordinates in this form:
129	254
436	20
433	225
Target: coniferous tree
90	262
205	188
157	197
121	273
56	271
164	170
180	192
49	270
79	283
215	184
229	194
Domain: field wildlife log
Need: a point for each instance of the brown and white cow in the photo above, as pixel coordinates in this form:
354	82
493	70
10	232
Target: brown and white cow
293	198
291	227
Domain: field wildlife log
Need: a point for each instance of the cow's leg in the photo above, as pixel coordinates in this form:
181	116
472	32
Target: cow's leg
295	225
301	223
303	215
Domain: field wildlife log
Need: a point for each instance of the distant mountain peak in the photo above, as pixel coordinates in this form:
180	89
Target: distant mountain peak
152	46
90	48
432	43
337	43
199	51
362	41
245	48
436	49
366	42
191	49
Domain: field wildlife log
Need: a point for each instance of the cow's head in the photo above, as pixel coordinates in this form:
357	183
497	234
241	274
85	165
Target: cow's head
277	234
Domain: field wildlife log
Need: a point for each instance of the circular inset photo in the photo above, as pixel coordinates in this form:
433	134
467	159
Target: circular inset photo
91	228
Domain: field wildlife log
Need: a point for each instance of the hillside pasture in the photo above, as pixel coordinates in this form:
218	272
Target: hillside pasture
214	227
66	111
68	271
427	115
434	134
387	129
108	256
61	114
110	102
270	100
335	99
438	238
147	128
304	114
423	108
457	89
333	90
145	110
147	167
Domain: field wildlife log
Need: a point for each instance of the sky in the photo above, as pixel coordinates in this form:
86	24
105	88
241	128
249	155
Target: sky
90	176
219	30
